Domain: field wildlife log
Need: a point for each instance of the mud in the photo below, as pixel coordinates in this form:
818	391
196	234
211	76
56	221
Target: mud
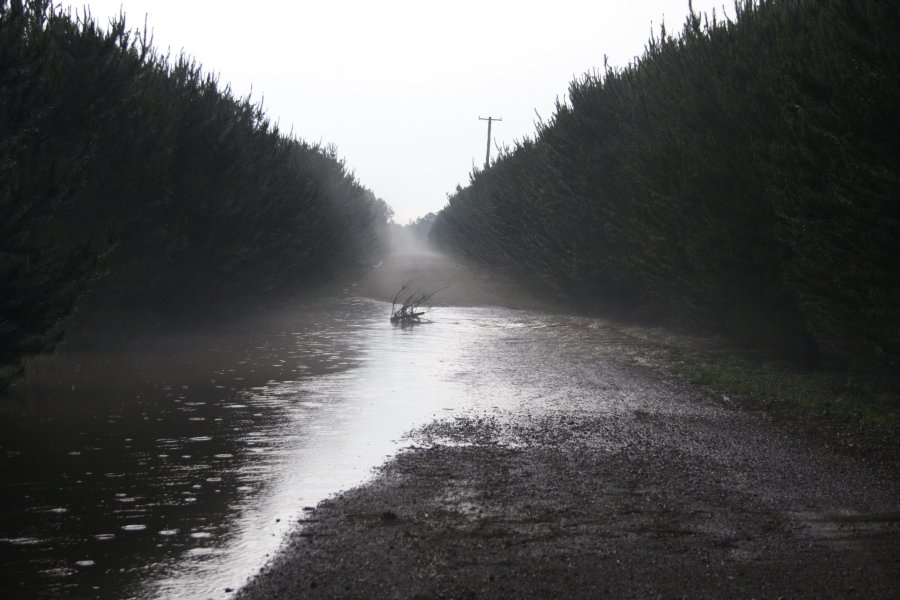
625	484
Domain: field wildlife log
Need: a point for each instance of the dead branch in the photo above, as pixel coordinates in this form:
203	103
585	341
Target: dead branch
412	307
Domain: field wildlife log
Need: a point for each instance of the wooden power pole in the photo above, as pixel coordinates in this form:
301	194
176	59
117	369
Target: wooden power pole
487	157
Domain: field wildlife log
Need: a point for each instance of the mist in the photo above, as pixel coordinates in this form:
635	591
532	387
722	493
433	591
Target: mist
647	348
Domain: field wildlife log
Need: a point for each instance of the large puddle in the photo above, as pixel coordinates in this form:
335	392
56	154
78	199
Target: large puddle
174	469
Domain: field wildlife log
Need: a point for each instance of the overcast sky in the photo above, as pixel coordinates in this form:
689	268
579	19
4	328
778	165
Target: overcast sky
398	85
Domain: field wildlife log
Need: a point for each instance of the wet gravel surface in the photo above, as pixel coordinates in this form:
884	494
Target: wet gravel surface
608	480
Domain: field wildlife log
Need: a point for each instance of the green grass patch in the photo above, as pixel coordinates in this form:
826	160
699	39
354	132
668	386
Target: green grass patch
847	396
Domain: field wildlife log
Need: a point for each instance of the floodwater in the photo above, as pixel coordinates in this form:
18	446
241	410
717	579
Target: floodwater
174	467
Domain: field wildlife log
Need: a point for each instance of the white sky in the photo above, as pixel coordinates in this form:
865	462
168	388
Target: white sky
399	85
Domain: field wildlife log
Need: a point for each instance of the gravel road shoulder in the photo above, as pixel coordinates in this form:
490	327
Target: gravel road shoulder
692	500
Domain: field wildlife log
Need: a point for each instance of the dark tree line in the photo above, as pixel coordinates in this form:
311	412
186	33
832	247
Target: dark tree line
742	176
128	178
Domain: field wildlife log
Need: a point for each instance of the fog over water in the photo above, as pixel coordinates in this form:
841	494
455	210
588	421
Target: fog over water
174	468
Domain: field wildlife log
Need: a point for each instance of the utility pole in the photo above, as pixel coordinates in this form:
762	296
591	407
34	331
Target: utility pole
487	157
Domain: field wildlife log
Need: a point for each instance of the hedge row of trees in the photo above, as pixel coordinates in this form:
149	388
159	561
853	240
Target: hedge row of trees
140	180
743	176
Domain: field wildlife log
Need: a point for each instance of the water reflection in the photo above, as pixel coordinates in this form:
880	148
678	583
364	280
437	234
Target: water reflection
173	470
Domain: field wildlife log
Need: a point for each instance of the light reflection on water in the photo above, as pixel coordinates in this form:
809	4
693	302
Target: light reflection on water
173	471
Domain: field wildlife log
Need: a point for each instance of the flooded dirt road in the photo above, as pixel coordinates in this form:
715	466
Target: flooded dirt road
600	478
578	470
173	469
545	460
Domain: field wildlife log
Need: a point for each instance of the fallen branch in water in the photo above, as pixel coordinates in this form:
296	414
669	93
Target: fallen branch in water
409	310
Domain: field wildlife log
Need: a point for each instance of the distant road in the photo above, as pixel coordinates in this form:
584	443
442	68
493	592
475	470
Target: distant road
428	270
